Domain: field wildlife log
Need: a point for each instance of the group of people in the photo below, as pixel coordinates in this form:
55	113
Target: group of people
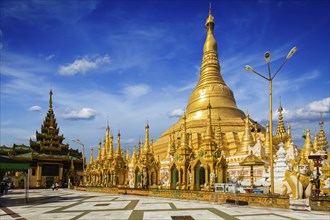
55	186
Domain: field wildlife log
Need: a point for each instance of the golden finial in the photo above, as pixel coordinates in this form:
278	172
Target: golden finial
322	139
210	20
50	99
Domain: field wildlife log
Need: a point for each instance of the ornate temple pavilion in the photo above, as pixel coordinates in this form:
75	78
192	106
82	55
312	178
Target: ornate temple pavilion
50	160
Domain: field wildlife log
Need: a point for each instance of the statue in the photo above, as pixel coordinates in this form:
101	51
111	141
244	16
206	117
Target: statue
183	187
177	185
190	177
297	182
212	178
131	181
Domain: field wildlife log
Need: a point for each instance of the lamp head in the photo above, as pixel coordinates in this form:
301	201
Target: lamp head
248	68
292	51
267	57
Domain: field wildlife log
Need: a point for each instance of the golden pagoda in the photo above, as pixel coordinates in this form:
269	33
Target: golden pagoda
211	88
211	128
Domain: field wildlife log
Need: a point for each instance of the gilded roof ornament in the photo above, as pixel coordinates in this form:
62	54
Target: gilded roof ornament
118	150
146	146
251	160
247	138
50	99
280	131
91	159
322	139
210	19
308	145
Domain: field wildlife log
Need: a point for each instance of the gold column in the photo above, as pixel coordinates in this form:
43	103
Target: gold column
251	177
60	175
207	176
179	176
39	169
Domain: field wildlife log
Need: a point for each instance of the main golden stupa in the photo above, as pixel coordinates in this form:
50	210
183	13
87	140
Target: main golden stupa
210	89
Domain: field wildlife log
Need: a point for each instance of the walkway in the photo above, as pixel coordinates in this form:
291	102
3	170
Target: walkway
71	204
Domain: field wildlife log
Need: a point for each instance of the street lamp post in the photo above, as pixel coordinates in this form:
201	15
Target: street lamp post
270	80
83	154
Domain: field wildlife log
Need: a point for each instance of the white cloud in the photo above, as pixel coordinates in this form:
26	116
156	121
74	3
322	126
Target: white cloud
50	57
310	112
83	114
320	106
34	108
134	91
83	65
176	113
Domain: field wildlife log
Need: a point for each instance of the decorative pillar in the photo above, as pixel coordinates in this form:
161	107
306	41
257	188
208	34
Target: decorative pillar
207	175
251	177
60	173
39	171
192	179
179	176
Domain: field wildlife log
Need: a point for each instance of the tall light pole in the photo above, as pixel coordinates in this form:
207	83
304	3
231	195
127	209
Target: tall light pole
270	80
83	154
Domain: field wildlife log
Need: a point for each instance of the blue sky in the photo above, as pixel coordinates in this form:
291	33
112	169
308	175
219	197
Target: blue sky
130	61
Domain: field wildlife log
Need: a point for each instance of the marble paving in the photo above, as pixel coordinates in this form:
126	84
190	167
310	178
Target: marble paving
71	204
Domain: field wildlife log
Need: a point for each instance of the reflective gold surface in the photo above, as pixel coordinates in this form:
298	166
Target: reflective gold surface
212	89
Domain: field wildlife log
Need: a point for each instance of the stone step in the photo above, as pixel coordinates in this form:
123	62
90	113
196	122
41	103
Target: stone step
300	207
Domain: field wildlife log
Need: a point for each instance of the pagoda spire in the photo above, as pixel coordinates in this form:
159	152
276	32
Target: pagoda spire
99	153
308	145
91	159
146	146
51	99
184	143
118	150
209	130
289	139
170	148
280	131
211	83
109	142
134	157
247	138
322	139
48	140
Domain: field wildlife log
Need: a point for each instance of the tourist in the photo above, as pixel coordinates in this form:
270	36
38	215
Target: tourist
56	185
53	186
2	188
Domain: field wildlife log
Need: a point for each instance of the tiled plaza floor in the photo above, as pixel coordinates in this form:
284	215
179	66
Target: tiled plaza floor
71	204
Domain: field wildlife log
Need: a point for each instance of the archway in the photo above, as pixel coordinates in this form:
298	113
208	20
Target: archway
175	177
137	177
199	177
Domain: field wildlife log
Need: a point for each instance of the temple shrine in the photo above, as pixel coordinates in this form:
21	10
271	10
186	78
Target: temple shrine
50	160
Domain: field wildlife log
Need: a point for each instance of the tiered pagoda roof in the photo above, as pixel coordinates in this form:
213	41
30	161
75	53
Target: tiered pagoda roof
48	141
